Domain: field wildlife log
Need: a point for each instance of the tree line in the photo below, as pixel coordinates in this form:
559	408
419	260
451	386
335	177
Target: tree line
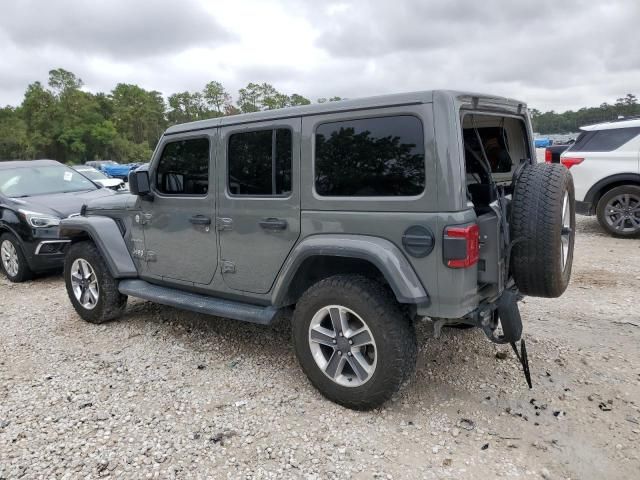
62	122
571	121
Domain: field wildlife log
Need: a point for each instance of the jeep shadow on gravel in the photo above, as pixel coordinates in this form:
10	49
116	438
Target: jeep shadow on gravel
364	216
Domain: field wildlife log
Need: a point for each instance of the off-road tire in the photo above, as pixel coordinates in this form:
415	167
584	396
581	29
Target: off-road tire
537	230
601	213
392	330
24	272
111	303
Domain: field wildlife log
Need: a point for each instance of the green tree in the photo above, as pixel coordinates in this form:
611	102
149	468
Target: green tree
216	97
187	107
296	100
250	98
62	81
13	135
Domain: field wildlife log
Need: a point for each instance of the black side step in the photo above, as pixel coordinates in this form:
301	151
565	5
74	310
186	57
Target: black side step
197	303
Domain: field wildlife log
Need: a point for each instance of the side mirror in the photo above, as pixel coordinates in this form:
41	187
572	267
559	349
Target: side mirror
139	183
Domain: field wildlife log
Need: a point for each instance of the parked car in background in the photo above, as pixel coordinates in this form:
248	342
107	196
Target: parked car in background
99	177
111	168
34	196
542	142
605	163
552	152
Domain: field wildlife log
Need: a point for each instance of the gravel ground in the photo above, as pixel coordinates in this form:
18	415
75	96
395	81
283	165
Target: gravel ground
170	394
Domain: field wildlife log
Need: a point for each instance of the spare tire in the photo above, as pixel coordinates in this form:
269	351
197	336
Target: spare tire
542	230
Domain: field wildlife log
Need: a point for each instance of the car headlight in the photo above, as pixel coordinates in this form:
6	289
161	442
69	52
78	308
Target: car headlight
40	220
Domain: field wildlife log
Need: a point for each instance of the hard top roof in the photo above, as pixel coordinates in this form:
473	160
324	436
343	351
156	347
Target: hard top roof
397	99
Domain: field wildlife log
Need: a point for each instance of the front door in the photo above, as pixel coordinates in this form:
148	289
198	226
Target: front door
179	230
258	201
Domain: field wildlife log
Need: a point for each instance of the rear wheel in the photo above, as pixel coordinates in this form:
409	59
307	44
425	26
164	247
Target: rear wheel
12	260
618	211
90	286
353	341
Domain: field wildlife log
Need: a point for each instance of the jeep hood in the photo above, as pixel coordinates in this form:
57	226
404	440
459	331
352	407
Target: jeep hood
118	201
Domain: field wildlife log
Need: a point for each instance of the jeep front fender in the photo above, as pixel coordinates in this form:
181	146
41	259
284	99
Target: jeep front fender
107	236
383	254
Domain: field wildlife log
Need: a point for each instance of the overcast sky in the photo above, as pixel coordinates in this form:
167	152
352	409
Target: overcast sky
551	54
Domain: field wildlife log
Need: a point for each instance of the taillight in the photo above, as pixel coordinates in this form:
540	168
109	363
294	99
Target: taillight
547	156
461	246
571	161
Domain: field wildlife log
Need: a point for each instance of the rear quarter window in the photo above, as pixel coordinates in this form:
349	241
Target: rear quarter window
603	140
370	157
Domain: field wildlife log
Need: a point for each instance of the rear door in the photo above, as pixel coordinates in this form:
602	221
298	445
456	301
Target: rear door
258	201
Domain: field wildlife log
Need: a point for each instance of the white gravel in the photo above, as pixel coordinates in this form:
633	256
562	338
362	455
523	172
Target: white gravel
170	394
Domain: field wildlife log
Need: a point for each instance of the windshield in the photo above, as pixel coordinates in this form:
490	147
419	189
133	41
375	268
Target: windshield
43	180
92	173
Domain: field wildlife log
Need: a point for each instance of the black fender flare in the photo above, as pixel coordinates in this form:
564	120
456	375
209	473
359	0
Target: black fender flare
106	235
383	254
591	196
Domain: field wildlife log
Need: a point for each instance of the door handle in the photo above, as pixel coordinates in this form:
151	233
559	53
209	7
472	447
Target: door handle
200	220
273	224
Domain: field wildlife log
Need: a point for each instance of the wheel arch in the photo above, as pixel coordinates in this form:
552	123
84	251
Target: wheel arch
322	256
106	235
595	193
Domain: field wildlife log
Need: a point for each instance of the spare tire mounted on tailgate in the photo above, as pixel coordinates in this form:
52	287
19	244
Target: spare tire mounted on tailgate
542	230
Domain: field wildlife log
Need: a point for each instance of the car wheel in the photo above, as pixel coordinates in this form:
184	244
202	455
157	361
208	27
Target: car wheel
353	341
91	288
618	211
14	264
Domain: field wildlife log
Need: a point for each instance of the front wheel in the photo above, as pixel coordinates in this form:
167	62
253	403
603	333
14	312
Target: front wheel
14	265
353	341
91	288
619	211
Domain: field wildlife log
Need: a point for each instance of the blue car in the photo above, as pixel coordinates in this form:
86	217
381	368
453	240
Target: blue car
112	169
543	142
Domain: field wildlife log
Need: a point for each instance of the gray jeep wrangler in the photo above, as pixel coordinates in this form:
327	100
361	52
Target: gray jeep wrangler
361	216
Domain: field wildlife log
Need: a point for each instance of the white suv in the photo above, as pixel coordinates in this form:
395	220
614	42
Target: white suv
605	163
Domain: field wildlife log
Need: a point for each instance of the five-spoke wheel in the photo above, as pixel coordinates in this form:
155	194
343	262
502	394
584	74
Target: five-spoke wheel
342	345
354	342
90	286
85	283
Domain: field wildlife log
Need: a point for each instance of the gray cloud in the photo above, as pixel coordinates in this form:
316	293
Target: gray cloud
116	28
551	54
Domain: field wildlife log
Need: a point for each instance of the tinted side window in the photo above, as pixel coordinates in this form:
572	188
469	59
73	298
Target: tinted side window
604	140
259	163
184	168
369	157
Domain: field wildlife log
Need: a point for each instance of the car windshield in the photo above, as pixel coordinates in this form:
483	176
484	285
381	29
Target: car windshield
42	180
92	173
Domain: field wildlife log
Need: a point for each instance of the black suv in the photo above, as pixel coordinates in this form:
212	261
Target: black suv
34	196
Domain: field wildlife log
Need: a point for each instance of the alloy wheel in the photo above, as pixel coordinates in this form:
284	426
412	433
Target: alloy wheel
342	346
622	213
10	260
85	283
